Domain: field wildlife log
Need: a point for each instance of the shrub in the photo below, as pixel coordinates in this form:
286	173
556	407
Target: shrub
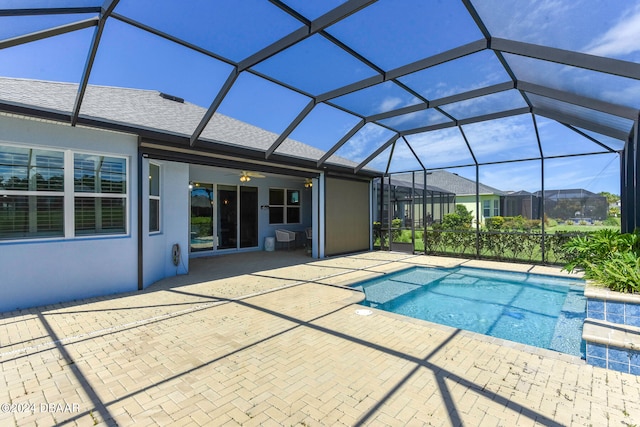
494	222
607	256
620	272
461	219
568	222
515	223
533	223
611	222
583	222
551	222
396	223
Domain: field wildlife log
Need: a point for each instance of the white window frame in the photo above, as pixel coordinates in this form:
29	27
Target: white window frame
32	213
69	194
81	194
486	208
156	197
286	205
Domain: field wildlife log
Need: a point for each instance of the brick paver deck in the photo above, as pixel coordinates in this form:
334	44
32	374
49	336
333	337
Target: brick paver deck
247	340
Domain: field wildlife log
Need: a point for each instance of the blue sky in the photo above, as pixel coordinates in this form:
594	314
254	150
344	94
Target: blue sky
389	34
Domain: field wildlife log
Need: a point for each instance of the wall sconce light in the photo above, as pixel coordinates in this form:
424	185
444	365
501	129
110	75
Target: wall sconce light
308	183
190	185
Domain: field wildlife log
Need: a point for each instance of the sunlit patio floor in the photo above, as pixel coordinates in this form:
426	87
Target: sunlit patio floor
273	338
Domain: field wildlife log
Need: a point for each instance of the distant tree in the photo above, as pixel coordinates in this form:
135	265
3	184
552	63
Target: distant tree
611	198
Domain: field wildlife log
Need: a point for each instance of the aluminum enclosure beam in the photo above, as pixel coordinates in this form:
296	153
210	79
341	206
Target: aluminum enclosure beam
576	59
582	123
226	87
107	9
582	101
284	135
376	153
337	14
500	87
342	141
52	32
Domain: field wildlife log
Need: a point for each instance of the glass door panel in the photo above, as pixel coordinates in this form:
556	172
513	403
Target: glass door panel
227	217
201	217
248	217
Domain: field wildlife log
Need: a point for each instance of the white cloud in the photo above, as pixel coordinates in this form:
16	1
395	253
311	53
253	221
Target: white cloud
622	38
389	103
364	142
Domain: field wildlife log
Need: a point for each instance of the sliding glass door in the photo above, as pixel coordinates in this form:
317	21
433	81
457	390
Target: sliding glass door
227	221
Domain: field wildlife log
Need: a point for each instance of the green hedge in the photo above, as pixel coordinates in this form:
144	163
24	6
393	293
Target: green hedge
502	246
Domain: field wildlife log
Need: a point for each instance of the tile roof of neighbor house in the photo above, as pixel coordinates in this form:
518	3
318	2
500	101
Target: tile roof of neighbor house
146	109
459	185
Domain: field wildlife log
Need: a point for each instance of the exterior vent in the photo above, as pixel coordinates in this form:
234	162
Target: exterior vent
172	98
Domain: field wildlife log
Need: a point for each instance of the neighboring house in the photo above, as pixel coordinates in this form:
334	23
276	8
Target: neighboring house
465	191
122	199
574	204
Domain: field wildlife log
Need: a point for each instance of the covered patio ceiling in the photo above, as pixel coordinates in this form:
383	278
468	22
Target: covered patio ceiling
387	85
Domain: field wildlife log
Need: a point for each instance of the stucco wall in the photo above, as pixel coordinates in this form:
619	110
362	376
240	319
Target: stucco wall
42	271
469	202
174	223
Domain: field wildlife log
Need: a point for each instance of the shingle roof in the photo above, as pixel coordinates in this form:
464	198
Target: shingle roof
459	185
401	182
146	109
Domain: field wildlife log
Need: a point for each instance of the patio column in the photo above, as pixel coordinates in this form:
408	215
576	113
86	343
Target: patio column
318	217
630	191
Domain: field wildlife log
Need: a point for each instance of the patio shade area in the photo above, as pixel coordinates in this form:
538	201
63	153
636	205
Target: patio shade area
367	87
273	339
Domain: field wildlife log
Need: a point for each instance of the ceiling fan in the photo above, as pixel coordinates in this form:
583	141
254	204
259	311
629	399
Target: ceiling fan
245	176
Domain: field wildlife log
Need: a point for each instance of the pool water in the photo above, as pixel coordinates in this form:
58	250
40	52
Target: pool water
538	310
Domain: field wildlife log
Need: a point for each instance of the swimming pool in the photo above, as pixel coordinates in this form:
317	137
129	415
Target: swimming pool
538	310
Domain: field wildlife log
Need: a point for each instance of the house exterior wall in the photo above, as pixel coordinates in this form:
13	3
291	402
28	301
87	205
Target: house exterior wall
50	270
174	223
469	202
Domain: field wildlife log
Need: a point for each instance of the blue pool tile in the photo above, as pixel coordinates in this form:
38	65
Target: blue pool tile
635	370
596	350
634	357
594	305
621	367
598	315
615	318
632	321
596	361
614	307
618	355
632	310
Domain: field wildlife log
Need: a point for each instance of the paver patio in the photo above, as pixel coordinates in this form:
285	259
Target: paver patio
274	339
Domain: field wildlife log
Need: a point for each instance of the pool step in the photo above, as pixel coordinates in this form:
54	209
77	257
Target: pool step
612	345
